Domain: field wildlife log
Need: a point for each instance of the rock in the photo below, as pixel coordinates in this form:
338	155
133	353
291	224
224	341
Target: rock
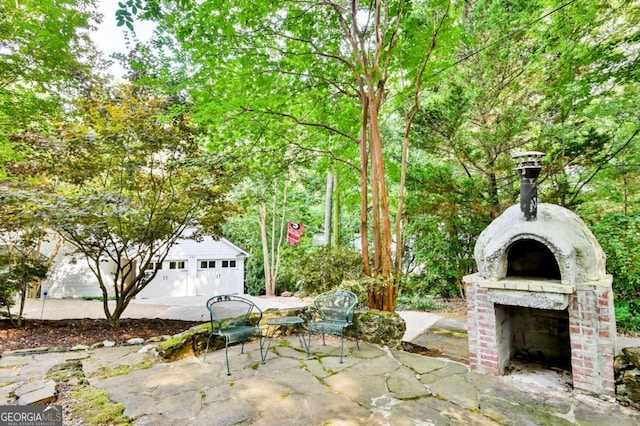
286	294
39	392
633	355
108	344
97	345
631	379
78	348
146	349
135	341
621	363
379	327
628	387
300	294
184	344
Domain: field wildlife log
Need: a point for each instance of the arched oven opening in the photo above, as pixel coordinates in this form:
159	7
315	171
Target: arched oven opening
532	259
527	334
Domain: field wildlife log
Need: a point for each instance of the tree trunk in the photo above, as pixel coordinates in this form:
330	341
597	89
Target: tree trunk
335	214
384	297
328	209
364	191
269	288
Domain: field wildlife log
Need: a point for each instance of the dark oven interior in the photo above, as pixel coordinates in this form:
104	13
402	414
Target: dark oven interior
534	335
531	258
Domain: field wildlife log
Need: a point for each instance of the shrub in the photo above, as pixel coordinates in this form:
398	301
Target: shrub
326	268
619	236
628	316
416	302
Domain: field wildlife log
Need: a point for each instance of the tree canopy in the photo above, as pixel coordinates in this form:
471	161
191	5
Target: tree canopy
416	107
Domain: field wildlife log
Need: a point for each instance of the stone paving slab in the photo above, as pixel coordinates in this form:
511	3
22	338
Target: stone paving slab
374	386
37	392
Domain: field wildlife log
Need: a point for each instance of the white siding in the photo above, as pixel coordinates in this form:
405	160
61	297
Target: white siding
193	280
70	275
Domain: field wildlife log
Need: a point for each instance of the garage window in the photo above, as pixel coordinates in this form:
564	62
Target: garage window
177	264
153	265
228	263
207	264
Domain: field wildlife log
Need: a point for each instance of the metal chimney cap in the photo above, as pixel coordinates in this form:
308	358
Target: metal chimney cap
529	159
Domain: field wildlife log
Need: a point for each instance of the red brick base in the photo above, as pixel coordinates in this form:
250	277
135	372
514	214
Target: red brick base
592	331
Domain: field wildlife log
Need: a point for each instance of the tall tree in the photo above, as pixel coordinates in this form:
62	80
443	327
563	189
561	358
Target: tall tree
131	180
325	67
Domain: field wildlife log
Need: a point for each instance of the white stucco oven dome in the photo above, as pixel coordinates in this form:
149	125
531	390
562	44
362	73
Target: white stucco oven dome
557	246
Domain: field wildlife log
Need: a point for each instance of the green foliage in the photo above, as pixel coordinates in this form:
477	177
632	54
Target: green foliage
254	274
22	232
363	286
9	286
628	315
326	267
45	53
619	236
131	178
416	302
446	213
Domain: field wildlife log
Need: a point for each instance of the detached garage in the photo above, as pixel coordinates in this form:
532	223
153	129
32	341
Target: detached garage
192	268
199	268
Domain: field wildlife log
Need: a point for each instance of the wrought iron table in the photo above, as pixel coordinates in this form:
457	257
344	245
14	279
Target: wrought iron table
278	322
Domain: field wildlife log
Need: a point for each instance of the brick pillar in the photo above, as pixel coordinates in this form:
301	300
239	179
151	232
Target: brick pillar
592	327
481	328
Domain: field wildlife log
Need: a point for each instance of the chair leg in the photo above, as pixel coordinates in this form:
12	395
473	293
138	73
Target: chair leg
308	343
356	334
206	351
264	349
341	346
226	354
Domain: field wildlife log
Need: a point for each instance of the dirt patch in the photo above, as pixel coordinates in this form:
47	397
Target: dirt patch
457	306
86	331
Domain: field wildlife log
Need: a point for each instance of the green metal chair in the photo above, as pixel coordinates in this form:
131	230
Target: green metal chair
331	313
231	320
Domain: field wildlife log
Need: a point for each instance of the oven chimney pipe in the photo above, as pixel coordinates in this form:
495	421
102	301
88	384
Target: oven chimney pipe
529	167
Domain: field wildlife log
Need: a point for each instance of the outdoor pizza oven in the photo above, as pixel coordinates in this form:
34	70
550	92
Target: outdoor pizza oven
541	293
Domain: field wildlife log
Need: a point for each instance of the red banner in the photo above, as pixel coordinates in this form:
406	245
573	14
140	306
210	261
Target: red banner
294	232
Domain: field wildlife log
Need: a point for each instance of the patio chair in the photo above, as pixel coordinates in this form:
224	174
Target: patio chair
231	320
331	313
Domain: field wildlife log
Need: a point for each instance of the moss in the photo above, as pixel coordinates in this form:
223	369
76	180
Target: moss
66	375
180	338
255	366
106	372
284	343
94	407
286	394
67	371
89	405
